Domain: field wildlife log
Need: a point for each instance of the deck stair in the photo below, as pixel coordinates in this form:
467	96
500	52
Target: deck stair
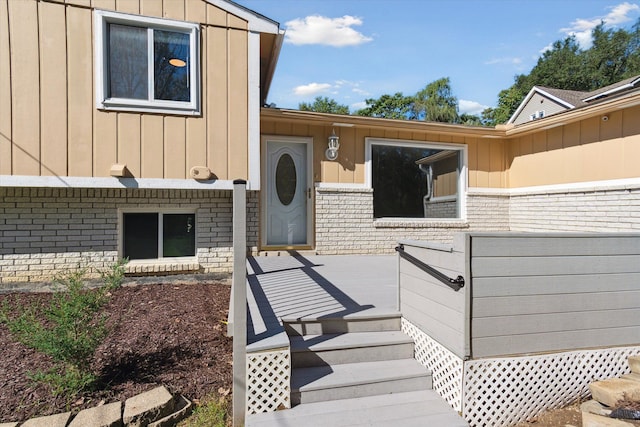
357	370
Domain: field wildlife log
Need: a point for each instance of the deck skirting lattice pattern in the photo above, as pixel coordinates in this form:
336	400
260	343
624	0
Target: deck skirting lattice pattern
445	367
268	381
506	391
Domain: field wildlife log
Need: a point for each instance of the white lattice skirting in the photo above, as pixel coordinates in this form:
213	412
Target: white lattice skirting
500	392
268	381
445	367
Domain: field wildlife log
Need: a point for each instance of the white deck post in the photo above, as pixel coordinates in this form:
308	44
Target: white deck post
239	290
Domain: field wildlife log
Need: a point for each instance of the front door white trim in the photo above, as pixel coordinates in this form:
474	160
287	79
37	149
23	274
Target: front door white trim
308	188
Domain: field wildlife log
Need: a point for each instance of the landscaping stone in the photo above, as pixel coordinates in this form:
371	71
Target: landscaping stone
610	391
593	420
8	424
634	364
182	410
595	407
148	407
100	416
57	420
632	376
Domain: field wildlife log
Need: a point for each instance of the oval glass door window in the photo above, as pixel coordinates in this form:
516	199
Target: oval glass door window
286	179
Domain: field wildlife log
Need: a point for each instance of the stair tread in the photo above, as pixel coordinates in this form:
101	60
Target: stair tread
327	342
418	408
350	374
370	314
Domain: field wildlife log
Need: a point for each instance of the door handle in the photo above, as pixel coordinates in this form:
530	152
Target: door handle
308	193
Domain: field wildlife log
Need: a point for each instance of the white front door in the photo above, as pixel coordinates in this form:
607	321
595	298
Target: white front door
287	195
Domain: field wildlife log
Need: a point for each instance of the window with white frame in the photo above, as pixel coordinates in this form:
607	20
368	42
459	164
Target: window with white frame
146	64
411	180
157	235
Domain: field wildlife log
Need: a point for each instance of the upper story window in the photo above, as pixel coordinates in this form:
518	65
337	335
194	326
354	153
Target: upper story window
146	64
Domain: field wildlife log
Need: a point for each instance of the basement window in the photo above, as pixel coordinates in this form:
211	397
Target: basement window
158	235
146	64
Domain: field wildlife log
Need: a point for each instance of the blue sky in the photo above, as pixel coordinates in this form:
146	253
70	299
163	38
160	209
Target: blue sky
351	50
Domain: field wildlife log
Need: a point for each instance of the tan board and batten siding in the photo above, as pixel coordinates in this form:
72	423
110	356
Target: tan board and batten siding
51	66
591	149
486	157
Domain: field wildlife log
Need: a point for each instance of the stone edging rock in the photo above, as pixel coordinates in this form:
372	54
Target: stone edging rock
154	408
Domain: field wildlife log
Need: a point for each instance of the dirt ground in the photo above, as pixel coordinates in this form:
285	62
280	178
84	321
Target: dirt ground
170	334
565	417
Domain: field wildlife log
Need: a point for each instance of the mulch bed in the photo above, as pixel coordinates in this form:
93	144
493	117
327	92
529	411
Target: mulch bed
171	334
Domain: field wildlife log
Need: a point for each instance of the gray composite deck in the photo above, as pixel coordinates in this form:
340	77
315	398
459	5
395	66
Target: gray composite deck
364	378
306	286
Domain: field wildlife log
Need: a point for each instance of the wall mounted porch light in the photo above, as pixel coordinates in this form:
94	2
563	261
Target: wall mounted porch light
334	145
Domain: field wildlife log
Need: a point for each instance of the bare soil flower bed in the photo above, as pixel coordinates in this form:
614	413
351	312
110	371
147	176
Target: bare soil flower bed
170	333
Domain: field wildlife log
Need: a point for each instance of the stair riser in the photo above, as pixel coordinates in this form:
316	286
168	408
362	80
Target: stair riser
341	326
304	359
362	390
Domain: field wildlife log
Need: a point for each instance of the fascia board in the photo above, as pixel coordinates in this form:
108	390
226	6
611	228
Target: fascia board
255	21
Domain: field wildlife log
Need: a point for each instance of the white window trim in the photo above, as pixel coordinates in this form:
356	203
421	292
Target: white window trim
101	19
173	260
462	178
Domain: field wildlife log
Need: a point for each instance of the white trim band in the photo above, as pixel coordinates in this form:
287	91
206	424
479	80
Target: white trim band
88	182
576	187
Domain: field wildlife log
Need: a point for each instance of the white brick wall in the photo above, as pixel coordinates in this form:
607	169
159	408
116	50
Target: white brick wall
608	208
345	223
44	231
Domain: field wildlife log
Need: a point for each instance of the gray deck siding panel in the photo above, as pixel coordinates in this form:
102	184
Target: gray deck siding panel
436	329
554	341
508	266
537	293
561	303
431	305
554	245
552	285
528	292
436	291
554	322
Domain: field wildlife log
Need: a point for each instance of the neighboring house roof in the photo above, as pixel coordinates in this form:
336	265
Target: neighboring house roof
571	99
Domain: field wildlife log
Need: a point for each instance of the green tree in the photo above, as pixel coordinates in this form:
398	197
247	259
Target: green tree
436	103
613	56
324	105
396	106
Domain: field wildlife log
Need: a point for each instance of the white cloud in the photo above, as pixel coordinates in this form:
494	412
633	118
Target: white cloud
357	106
581	28
470	107
506	60
316	29
311	89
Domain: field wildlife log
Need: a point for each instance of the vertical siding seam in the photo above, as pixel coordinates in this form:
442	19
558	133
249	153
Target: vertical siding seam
66	101
39	91
11	168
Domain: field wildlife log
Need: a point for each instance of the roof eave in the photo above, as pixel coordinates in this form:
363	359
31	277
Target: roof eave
337	120
576	114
